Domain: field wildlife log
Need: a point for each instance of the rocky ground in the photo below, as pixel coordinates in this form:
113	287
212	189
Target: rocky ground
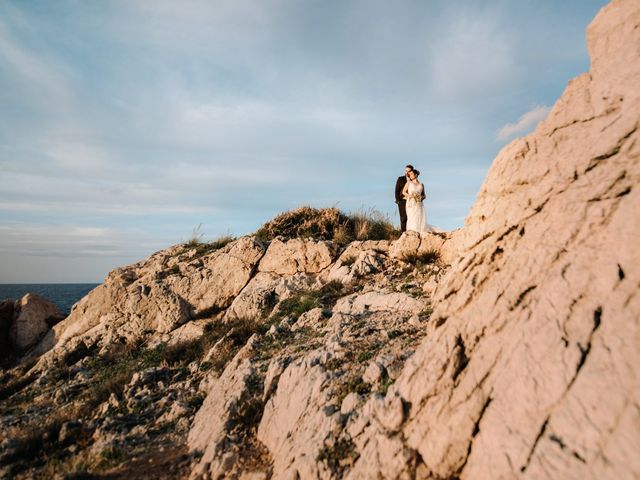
506	349
134	407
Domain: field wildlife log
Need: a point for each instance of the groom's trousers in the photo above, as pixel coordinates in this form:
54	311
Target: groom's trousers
402	208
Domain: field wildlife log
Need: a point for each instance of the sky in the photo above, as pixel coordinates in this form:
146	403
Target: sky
125	125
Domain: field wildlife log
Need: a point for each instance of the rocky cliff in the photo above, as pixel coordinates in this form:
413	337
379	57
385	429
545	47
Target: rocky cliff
505	349
528	368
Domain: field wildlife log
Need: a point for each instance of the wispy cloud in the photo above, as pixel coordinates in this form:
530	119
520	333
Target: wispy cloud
67	240
145	118
30	67
473	55
525	123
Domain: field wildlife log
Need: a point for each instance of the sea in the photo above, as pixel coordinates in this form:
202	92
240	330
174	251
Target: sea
64	295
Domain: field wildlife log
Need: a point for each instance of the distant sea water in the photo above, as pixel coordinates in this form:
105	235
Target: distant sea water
64	295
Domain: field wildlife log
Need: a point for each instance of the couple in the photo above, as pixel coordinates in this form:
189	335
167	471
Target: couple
409	197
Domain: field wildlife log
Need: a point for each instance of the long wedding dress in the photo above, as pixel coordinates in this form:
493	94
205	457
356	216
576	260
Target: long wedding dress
416	218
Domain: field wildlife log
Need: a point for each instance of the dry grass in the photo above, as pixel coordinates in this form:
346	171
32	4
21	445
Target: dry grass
422	258
113	371
196	237
329	224
201	248
34	440
373	225
305	222
305	300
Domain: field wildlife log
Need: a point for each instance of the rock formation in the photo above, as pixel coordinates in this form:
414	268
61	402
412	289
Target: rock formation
24	322
529	366
506	349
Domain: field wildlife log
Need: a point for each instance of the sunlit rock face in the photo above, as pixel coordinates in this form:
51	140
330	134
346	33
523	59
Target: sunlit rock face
529	368
506	349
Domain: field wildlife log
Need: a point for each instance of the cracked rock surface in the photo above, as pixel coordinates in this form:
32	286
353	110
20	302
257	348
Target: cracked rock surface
506	349
529	366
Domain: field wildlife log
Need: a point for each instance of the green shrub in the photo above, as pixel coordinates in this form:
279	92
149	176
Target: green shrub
113	371
421	258
355	384
364	356
338	456
303	301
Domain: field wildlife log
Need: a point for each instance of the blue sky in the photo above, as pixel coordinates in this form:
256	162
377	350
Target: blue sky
125	124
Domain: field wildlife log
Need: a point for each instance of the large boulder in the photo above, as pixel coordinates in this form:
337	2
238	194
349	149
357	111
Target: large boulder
6	319
375	301
218	416
529	369
297	420
159	294
297	256
447	245
223	275
33	316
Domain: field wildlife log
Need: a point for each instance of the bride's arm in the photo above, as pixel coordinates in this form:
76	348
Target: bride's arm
405	191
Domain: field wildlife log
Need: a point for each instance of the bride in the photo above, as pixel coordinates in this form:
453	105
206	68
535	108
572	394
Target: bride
414	194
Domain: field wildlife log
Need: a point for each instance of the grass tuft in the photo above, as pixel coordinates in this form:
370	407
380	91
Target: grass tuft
422	258
329	224
303	301
113	371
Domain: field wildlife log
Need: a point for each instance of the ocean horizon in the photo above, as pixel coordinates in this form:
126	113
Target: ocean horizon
63	295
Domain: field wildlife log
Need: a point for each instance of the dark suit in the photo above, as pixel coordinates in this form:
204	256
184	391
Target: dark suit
402	203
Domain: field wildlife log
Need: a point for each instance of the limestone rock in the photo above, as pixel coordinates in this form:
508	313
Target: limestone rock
529	367
295	423
525	368
224	274
349	403
311	318
275	369
357	247
258	296
188	332
6	319
408	243
354	264
367	262
33	317
214	419
154	296
374	373
448	245
379	302
297	256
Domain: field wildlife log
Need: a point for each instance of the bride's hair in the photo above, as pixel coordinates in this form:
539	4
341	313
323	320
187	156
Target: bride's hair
417	172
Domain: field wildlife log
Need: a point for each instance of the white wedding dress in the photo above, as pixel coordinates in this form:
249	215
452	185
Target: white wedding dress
416	218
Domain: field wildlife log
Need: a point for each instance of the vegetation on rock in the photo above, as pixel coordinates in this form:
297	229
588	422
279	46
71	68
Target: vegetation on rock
329	224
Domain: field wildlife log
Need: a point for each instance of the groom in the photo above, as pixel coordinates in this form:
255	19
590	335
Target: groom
402	203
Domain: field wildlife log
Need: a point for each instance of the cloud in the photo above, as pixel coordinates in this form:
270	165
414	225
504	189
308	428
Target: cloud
67	240
148	117
471	57
524	123
31	75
